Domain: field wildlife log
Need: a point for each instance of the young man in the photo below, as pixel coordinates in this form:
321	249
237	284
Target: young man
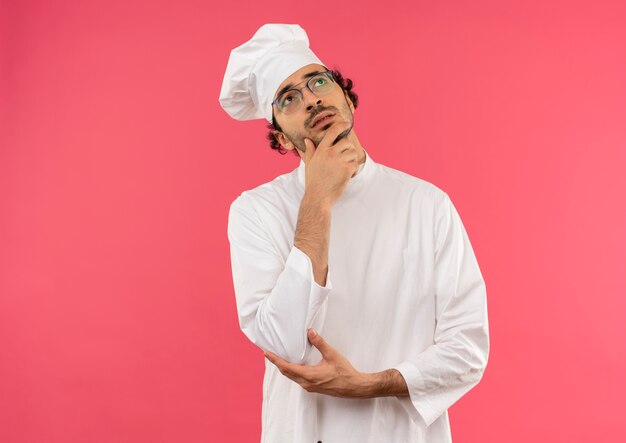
357	280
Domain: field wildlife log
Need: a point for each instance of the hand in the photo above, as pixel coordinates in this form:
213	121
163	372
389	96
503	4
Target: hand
333	375
328	166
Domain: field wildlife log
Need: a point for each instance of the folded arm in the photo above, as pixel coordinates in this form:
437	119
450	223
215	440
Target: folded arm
279	298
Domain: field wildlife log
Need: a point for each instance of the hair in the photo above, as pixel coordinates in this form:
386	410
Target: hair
346	86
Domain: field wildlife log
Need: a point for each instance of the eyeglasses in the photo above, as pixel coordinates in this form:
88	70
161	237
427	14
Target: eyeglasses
291	100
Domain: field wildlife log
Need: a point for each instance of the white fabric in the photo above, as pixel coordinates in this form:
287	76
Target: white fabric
403	291
256	69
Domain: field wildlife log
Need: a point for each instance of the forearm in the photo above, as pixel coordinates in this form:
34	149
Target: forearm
384	384
313	234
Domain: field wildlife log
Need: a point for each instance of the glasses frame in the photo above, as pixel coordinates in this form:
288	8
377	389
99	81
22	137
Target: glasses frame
328	74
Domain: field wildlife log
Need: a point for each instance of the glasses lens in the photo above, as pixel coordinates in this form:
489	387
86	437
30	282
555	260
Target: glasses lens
289	101
320	84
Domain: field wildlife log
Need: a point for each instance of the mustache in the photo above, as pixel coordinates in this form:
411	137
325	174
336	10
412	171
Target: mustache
318	111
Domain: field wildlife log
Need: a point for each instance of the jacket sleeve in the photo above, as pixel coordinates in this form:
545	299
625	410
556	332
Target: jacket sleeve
455	363
277	297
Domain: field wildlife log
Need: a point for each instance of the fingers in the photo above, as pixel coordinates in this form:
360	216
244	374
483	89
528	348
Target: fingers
331	134
281	363
278	361
301	374
289	370
310	148
316	340
350	155
349	150
342	135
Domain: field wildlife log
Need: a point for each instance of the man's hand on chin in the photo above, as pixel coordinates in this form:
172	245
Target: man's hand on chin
334	375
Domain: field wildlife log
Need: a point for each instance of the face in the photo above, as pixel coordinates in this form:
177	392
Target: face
298	125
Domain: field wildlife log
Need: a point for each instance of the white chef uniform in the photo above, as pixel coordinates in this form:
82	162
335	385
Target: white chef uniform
403	290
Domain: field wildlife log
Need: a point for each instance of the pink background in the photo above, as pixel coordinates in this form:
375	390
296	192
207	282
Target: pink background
117	168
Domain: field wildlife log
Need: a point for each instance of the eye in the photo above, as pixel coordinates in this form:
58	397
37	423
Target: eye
287	98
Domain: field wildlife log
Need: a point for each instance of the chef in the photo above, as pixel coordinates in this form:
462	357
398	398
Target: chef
358	281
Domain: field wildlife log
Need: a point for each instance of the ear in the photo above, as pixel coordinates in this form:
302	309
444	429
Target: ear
284	141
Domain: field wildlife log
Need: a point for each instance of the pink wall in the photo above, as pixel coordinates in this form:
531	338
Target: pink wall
117	167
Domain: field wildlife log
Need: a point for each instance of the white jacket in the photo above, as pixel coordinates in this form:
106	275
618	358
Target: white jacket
403	291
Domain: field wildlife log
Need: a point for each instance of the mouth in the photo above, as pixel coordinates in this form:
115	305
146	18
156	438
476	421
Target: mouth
322	118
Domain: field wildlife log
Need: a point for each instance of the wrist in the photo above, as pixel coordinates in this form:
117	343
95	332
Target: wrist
312	201
369	385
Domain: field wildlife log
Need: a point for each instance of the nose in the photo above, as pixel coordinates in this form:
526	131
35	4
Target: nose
310	100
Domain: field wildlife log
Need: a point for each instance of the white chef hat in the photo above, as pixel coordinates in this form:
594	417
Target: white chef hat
256	69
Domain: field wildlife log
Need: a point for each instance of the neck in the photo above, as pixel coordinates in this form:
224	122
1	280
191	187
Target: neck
357	144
